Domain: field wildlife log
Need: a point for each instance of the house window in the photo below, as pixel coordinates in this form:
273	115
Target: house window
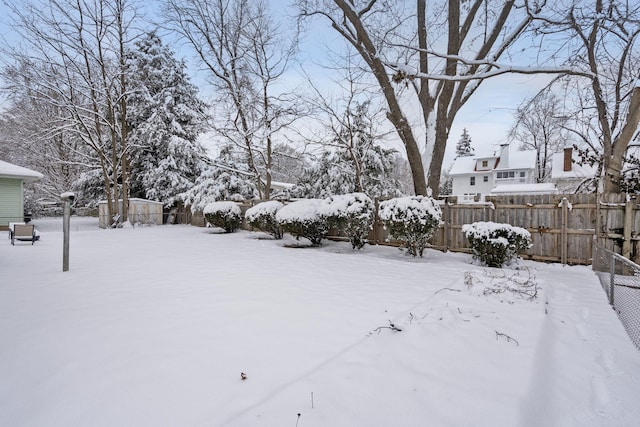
485	178
485	163
521	174
472	180
506	175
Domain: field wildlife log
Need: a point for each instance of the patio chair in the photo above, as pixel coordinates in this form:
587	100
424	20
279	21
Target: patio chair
23	233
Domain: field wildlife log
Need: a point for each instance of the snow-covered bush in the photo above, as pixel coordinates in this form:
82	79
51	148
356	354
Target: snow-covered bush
263	217
412	220
496	244
351	213
301	219
225	215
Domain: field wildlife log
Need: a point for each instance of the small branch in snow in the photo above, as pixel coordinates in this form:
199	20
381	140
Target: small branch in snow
391	326
509	339
447	289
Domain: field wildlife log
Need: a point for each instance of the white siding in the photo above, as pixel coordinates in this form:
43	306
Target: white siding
11	201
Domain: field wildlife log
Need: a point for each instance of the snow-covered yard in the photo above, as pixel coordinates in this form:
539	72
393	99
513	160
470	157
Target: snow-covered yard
154	326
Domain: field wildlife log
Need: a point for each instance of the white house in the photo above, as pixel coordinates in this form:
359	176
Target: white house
12	180
566	173
475	177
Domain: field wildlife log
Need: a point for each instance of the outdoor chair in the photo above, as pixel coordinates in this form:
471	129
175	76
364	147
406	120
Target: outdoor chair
23	233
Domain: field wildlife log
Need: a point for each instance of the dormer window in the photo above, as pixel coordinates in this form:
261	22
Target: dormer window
485	163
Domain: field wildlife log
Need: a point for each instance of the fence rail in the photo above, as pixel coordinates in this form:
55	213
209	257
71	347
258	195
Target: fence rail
620	279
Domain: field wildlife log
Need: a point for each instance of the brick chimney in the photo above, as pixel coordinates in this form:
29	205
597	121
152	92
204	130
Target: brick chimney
568	154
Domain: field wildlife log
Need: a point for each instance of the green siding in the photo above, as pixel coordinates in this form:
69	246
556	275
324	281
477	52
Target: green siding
11	202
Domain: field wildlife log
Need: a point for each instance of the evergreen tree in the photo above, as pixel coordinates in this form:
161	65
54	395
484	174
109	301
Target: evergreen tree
165	118
227	178
463	147
334	173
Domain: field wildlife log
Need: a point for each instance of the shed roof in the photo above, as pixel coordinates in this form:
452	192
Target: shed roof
9	170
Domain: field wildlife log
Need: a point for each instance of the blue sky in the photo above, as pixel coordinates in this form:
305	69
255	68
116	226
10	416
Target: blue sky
487	116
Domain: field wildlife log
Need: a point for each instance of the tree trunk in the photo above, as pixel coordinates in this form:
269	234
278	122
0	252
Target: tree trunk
613	163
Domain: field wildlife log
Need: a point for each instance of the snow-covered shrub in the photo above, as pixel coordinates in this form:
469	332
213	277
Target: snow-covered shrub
263	217
412	220
351	213
496	244
301	219
225	215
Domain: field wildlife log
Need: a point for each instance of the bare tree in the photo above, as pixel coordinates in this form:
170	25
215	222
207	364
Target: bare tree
540	125
246	56
441	51
601	38
350	120
75	54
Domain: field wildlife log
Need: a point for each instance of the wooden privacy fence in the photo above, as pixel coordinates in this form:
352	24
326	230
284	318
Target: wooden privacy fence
562	227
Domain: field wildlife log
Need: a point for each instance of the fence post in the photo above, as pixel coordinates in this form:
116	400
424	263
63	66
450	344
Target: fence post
563	236
628	224
447	225
612	278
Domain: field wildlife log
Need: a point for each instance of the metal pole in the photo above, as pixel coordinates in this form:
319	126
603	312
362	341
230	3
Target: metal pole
612	278
65	230
67	197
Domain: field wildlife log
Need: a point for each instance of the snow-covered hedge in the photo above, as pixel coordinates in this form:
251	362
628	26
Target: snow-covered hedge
351	213
225	215
496	244
263	217
412	220
301	219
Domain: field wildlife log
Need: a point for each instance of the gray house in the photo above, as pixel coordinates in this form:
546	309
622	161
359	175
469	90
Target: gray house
12	180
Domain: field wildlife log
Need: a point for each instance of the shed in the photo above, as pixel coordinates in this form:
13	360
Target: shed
141	211
12	180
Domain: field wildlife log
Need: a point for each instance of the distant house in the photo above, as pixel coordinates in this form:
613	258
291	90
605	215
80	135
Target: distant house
12	180
472	178
566	173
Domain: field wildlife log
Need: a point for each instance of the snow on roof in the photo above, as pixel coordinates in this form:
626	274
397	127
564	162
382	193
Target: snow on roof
519	160
577	171
9	170
537	188
462	165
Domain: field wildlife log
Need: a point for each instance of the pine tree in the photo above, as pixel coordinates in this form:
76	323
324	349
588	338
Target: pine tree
463	147
227	178
165	118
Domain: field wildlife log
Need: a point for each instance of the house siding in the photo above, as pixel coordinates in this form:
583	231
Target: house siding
11	209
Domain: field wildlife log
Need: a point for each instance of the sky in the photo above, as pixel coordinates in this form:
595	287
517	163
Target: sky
487	116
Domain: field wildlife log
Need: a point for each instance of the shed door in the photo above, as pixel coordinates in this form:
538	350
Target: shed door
11	208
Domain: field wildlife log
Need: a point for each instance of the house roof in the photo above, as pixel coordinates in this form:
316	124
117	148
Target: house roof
517	160
462	165
536	188
577	171
9	170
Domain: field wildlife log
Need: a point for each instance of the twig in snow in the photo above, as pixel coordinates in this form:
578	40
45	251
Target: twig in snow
391	326
509	339
298	419
447	289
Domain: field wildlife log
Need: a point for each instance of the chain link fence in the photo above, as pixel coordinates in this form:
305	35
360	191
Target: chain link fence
620	279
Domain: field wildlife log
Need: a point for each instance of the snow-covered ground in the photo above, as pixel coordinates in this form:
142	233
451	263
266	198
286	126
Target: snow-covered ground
154	326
